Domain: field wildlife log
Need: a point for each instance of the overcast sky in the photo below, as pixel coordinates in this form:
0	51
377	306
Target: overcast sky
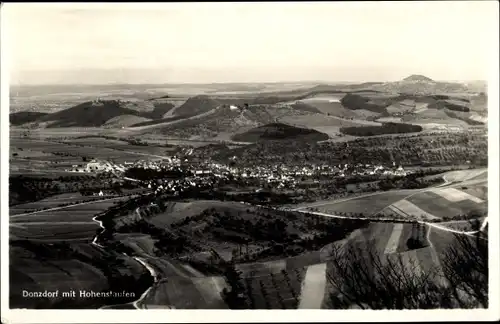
248	42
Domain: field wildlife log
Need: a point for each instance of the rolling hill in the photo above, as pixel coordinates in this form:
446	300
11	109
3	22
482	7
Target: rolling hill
210	115
24	117
417	77
96	113
87	114
197	105
422	85
279	131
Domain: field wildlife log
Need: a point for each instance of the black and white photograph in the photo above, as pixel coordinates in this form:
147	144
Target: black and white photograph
307	156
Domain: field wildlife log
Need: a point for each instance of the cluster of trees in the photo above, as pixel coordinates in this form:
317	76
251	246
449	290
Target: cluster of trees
235	296
144	174
355	101
418	238
278	131
385	128
430	149
276	231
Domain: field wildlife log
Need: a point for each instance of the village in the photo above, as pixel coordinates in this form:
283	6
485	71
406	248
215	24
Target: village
208	174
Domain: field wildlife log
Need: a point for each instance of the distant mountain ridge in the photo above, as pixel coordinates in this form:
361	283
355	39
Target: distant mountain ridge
209	115
421	85
417	77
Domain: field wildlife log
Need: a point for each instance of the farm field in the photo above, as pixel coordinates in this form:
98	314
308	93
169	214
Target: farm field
317	120
389	120
53	202
31	274
80	212
408	210
463	175
54	232
185	293
367	205
456	195
116	145
387	241
72	223
73	153
438	206
258	269
276	290
478	191
307	286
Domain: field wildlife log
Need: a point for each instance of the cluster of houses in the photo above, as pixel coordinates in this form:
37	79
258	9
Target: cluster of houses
290	173
96	166
203	174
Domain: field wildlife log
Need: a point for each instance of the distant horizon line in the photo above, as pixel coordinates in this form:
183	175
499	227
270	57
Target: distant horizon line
319	82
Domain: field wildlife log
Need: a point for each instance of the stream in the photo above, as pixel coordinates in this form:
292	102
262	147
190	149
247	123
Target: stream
142	261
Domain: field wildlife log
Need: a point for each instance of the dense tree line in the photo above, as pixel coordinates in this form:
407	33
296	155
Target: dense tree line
385	128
